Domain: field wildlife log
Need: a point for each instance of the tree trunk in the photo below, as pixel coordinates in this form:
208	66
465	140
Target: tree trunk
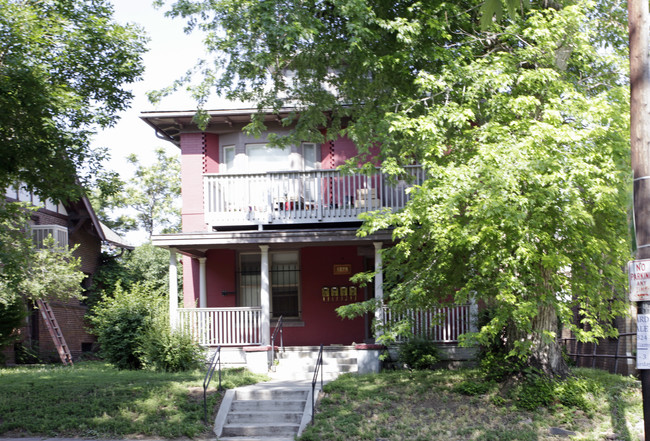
545	353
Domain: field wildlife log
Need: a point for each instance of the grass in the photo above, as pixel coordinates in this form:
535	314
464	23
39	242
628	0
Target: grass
426	405
93	399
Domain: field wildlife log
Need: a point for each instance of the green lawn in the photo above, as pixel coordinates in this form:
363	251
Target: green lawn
430	405
93	399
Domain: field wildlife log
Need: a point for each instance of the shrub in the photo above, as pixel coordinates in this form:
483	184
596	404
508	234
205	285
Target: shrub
168	350
419	353
133	331
537	390
12	317
120	320
574	392
473	387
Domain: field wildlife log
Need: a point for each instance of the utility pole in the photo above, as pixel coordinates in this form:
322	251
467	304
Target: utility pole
640	147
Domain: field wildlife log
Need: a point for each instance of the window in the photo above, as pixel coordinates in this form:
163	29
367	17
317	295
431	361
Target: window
229	157
310	156
263	158
59	233
250	268
285	277
285	282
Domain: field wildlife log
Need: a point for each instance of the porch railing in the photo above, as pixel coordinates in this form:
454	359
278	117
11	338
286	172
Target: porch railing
222	326
302	196
442	325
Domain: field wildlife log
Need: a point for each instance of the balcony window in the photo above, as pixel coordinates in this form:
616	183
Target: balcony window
229	157
310	156
264	158
41	232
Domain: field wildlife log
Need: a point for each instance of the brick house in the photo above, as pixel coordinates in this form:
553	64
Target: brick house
270	233
71	223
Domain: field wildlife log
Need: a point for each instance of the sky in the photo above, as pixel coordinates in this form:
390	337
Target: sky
171	54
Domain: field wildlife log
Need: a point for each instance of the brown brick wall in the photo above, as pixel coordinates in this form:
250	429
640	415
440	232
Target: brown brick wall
70	317
44	217
89	249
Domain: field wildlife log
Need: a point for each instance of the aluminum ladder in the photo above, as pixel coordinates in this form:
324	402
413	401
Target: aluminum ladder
55	332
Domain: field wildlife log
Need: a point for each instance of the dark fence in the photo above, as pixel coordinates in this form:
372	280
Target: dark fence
605	354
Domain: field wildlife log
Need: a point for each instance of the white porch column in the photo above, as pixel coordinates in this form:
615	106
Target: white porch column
203	297
173	289
264	297
379	289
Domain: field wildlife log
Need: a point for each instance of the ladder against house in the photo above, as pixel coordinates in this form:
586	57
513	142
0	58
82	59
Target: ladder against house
55	331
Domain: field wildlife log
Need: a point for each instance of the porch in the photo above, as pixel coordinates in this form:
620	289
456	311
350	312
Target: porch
296	197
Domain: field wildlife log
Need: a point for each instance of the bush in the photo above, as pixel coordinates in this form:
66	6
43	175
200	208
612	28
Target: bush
419	354
12	317
120	320
168	350
473	387
537	390
133	331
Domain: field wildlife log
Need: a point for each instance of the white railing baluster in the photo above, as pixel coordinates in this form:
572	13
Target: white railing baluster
221	326
444	324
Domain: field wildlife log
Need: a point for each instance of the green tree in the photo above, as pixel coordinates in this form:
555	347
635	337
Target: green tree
521	126
146	264
63	67
28	273
152	193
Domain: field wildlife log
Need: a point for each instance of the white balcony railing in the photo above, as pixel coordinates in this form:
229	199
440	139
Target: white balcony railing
442	325
301	197
222	326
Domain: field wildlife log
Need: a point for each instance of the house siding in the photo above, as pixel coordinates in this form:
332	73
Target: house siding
192	163
221	275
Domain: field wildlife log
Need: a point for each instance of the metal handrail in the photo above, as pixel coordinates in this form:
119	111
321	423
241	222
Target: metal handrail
278	328
216	359
319	367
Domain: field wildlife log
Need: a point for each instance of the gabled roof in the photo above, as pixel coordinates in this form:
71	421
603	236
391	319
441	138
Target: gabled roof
103	231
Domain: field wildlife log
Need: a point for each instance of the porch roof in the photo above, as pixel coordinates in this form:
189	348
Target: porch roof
196	244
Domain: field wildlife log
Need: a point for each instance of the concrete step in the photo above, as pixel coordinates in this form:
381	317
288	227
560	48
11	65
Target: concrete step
263	429
311	361
271	394
262	405
296	355
264	416
343	367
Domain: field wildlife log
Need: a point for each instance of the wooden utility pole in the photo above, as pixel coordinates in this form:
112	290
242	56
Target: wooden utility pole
640	145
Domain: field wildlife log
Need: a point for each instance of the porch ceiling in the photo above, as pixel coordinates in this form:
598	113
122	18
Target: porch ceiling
169	125
195	244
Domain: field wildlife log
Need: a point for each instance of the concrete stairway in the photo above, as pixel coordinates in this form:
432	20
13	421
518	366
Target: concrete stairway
280	409
274	411
299	362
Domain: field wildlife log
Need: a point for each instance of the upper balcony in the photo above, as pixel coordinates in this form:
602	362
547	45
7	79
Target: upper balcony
301	197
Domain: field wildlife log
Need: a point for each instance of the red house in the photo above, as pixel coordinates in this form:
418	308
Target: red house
270	232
